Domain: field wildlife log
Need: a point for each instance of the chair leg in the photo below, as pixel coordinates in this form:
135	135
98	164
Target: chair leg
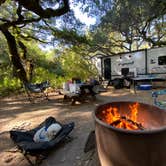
28	96
155	100
73	101
46	95
29	161
38	160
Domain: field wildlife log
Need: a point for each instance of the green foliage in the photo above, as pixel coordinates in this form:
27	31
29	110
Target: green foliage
69	36
20	21
76	65
8	83
124	23
4	55
137	22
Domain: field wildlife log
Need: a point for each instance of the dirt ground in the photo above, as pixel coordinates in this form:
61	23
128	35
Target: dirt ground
17	113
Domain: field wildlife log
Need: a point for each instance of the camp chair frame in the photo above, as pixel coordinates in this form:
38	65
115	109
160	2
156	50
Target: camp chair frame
39	88
26	145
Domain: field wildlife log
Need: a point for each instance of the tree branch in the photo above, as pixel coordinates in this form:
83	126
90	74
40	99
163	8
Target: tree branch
34	6
16	60
19	10
70	36
4	20
2	1
8	24
34	38
24	48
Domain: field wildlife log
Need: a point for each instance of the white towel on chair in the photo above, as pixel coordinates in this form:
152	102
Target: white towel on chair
47	134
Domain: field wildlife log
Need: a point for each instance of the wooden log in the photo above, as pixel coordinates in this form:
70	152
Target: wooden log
126	121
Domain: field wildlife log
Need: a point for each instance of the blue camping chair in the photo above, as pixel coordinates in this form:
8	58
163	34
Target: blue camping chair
28	147
158	102
39	88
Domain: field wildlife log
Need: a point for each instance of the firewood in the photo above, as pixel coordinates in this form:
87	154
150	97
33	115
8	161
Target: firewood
139	125
115	123
127	122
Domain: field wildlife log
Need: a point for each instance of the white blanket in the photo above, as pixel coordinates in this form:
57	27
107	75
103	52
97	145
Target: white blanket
47	134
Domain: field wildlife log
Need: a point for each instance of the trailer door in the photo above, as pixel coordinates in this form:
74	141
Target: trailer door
107	68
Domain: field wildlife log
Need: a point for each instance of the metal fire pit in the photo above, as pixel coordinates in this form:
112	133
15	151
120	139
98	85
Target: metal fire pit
120	147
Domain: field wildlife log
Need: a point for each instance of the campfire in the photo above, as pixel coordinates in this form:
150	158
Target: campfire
112	117
141	140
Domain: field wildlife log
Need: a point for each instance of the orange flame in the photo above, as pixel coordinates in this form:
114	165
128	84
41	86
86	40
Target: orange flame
109	115
113	117
134	111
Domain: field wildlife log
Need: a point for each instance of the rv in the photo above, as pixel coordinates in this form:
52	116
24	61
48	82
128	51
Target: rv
135	64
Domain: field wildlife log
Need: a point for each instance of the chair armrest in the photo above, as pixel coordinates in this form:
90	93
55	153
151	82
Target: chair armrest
159	92
157	101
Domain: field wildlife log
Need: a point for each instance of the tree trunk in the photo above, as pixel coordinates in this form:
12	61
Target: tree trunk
15	58
29	66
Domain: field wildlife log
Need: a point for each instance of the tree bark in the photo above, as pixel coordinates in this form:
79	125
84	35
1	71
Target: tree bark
15	58
28	62
35	6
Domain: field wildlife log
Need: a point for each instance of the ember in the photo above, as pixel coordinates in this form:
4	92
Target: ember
112	117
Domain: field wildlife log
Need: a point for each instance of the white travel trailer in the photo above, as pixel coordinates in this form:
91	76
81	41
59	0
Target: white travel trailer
136	63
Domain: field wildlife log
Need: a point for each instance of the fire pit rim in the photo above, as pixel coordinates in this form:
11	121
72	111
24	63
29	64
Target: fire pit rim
150	131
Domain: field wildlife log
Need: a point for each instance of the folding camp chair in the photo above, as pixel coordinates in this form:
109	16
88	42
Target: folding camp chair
158	102
39	88
27	146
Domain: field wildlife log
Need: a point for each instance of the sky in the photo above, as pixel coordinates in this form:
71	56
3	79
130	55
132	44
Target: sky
83	17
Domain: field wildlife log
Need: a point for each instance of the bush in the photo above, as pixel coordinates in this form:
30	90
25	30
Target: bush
9	85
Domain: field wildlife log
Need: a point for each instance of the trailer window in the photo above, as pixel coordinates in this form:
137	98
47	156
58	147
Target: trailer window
162	60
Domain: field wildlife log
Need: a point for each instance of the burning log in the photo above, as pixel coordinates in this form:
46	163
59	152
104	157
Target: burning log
126	123
115	123
112	116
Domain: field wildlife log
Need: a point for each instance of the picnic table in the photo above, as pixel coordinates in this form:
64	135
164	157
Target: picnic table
147	79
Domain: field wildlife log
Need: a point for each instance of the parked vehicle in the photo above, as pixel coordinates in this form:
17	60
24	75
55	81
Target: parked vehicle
143	62
134	64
